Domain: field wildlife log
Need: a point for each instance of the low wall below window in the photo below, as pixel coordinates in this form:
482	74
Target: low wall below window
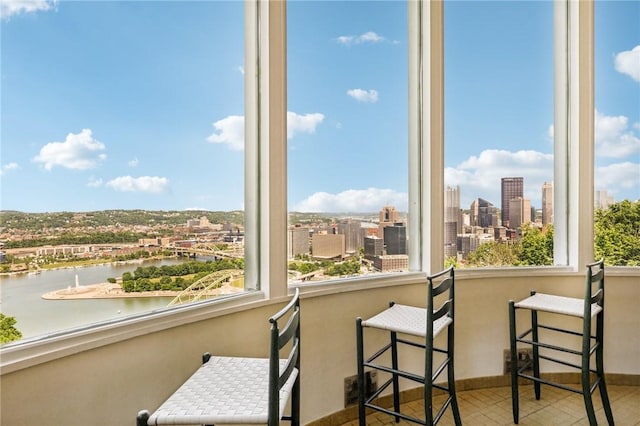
108	384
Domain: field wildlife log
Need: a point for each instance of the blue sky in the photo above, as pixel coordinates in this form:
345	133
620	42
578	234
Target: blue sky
122	105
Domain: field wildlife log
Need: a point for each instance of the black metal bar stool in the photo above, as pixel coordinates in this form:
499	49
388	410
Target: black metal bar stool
587	308
424	323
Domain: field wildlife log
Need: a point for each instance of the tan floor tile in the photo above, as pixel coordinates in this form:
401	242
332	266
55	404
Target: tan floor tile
557	407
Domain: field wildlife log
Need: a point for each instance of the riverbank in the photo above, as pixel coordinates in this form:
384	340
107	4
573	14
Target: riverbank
85	264
114	291
102	291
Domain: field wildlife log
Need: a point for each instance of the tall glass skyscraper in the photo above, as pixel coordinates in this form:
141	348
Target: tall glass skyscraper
512	187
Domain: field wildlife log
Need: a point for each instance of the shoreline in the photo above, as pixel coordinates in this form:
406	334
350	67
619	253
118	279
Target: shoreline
84	265
102	291
115	291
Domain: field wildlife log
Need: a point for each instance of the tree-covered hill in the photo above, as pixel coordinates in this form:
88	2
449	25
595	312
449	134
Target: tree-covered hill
70	220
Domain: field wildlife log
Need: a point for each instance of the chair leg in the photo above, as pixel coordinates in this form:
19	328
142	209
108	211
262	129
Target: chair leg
396	382
361	383
536	353
428	382
295	403
142	418
604	395
586	374
514	361
588	400
452	381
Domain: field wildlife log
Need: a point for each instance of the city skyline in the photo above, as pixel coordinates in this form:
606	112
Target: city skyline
96	119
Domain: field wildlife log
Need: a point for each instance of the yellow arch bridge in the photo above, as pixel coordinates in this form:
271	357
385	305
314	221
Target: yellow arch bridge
215	284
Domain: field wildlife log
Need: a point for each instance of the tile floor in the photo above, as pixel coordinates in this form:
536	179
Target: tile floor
556	407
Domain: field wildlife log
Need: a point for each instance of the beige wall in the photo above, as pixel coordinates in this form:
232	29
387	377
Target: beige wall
109	384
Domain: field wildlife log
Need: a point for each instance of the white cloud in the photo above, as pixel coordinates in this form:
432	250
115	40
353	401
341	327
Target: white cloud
628	62
353	200
614	138
307	123
368	37
240	69
230	132
479	176
78	152
621	175
8	167
94	182
152	184
364	95
9	8
133	163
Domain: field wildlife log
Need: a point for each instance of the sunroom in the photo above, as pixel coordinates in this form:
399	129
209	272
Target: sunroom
105	373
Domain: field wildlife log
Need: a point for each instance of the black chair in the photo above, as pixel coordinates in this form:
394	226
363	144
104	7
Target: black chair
424	323
241	390
586	308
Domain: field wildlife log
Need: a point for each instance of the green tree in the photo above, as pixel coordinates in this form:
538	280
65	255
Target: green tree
494	253
536	245
451	261
8	330
617	233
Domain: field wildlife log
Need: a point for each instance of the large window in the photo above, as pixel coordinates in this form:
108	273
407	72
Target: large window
499	120
617	132
122	140
127	121
347	139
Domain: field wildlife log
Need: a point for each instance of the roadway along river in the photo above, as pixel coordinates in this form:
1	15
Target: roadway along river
21	297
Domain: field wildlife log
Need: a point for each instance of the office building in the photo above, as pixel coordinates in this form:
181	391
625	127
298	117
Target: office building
547	203
395	239
511	187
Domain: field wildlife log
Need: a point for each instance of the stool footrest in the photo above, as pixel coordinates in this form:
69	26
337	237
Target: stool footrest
401	373
395	414
592	386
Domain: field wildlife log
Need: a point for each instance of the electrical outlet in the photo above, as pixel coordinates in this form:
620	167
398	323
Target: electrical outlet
525	356
351	387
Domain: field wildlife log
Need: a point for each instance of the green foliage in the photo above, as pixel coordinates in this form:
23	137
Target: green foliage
536	245
494	253
345	268
174	277
8	331
304	267
617	233
451	261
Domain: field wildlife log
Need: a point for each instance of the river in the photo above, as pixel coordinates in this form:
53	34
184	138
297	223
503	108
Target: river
21	298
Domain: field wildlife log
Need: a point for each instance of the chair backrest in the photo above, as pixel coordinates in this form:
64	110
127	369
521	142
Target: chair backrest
437	284
595	275
281	337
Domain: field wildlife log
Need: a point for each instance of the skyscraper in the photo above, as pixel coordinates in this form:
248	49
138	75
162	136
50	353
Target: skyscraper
388	216
519	212
351	230
395	239
547	203
452	219
483	214
511	187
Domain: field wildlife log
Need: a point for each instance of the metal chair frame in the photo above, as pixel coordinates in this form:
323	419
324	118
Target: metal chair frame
444	281
280	371
591	344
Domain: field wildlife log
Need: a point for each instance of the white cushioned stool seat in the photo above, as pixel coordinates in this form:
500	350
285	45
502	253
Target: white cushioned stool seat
557	304
406	319
224	390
